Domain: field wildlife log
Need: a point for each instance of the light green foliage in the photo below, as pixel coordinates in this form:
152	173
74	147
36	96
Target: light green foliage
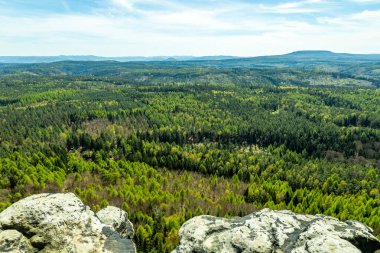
166	144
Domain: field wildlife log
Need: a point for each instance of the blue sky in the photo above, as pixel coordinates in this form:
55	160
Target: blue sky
186	27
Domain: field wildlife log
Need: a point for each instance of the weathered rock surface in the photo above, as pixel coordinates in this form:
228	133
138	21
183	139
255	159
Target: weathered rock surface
269	231
62	223
117	219
14	241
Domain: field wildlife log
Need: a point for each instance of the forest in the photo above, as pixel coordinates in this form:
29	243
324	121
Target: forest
167	141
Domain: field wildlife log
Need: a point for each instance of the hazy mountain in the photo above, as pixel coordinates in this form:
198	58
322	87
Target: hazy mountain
352	64
363	64
294	57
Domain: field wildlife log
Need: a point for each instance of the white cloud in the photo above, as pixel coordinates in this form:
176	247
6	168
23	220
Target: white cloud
306	6
236	29
366	1
367	16
364	20
125	4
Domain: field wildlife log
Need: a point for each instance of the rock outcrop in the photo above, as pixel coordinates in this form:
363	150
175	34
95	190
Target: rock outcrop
62	223
269	231
117	219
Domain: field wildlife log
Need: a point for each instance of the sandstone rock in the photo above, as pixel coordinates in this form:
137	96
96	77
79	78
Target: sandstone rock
118	220
276	232
13	241
58	223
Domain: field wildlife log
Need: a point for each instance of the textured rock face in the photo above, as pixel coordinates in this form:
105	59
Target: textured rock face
14	241
62	223
117	219
276	232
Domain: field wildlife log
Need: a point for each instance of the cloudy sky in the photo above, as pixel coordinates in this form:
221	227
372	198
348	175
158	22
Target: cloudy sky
187	27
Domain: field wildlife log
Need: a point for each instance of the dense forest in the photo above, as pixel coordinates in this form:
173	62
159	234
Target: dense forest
167	142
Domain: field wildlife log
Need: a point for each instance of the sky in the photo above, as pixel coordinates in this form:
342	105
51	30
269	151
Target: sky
187	27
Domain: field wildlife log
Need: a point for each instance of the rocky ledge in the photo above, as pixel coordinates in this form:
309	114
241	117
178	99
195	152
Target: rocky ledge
62	223
276	232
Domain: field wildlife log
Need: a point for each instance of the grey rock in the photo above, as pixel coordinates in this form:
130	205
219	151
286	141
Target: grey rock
116	244
13	241
118	220
270	231
58	223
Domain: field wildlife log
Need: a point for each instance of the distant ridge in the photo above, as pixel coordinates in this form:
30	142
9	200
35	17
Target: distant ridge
307	59
313	52
325	53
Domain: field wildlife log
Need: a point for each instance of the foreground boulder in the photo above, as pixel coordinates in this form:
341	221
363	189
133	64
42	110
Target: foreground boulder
276	232
62	223
117	219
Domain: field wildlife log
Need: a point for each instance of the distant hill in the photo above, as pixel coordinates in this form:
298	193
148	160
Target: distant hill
351	64
313	52
291	58
311	57
362	64
328	55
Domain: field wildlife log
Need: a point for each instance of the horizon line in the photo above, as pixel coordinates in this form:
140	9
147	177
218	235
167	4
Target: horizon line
197	56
